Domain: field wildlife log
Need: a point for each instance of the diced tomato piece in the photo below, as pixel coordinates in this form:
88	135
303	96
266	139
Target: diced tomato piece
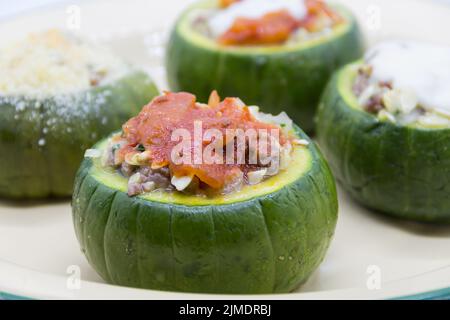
227	3
318	9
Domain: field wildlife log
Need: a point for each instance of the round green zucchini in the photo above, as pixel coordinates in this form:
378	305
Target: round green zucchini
287	78
42	142
403	171
266	238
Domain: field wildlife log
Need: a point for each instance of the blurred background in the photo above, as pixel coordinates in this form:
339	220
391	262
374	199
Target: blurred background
8	7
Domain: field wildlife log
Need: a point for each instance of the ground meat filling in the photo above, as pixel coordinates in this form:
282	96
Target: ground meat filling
383	100
373	103
143	152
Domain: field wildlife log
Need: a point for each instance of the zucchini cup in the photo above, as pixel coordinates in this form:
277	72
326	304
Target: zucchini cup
145	221
58	96
283	66
384	125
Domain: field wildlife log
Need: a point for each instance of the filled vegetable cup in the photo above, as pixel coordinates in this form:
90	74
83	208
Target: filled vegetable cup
384	125
212	198
58	95
273	53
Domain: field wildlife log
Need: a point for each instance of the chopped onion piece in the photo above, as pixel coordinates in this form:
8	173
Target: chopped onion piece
149	186
92	153
136	158
181	183
392	101
256	177
254	111
281	120
402	100
107	158
285	156
408	100
274	167
135	178
144	156
131	158
384	115
301	142
239	103
235	183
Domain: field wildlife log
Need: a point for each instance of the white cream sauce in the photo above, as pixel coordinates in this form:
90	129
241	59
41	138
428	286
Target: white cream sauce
422	68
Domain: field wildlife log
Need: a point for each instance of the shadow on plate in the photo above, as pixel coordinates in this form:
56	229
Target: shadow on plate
426	229
29	203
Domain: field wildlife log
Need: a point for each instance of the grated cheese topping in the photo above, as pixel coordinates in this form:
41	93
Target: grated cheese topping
54	63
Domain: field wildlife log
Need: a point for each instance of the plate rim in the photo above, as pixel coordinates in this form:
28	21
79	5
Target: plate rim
394	290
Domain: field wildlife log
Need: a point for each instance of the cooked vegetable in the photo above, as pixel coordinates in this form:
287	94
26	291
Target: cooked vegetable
239	144
399	169
52	111
265	22
287	76
267	237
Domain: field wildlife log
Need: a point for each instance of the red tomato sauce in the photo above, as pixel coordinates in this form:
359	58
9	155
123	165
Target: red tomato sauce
276	27
154	125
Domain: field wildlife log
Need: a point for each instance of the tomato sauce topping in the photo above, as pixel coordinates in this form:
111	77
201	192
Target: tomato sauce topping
154	125
226	3
276	27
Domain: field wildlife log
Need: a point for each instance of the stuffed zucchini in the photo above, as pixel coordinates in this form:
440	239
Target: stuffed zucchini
256	217
275	53
384	125
58	95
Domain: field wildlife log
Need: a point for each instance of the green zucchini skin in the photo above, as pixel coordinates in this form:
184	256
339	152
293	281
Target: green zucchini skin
284	81
398	170
42	142
267	244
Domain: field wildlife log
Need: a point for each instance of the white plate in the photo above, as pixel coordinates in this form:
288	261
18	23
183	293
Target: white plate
38	249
